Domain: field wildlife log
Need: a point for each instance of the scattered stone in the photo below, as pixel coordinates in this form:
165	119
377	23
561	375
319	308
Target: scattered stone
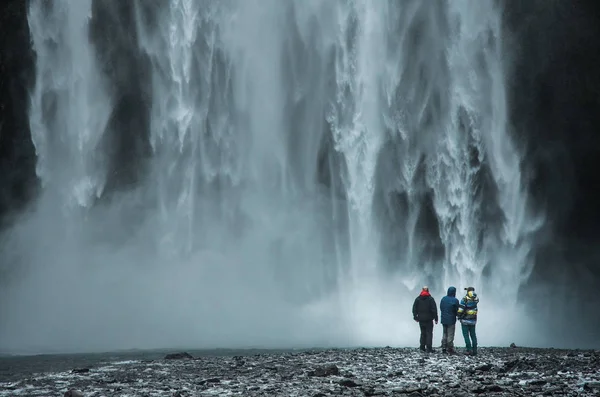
239	361
327	370
408	390
81	371
396	374
356	372
209	380
369	391
484	367
73	393
179	356
513	346
592	386
348	383
478	389
538	382
494	388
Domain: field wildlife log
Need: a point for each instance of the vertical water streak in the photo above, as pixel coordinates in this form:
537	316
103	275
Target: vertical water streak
413	97
512	262
190	123
70	107
279	98
480	197
355	117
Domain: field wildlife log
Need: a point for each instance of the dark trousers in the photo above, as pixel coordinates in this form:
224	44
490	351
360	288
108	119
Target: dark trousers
426	335
448	337
471	343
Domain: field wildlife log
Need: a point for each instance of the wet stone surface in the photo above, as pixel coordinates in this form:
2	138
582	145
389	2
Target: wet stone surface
352	372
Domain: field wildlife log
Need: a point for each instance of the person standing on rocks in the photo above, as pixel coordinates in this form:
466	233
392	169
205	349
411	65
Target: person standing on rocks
467	314
449	310
425	313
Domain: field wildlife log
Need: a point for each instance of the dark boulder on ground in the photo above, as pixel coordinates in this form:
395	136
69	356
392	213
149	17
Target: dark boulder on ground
73	393
327	370
179	356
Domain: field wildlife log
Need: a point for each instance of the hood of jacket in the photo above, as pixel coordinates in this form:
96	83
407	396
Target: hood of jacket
452	291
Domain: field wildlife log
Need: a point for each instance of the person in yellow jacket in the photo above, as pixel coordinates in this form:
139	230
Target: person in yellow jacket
467	314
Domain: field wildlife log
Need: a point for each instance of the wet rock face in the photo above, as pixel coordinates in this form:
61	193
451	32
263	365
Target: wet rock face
358	372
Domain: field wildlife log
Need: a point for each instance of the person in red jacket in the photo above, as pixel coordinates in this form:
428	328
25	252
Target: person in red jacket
425	313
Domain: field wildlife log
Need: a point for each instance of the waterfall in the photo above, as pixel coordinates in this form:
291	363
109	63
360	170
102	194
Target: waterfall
70	105
480	193
312	164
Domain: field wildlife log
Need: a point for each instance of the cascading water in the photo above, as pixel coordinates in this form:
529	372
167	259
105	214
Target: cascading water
221	169
182	50
70	107
313	163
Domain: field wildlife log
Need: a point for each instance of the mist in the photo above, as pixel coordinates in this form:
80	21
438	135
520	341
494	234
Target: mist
285	174
81	290
91	296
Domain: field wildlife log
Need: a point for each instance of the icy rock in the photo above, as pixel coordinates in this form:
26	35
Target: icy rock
395	374
356	372
324	371
209	380
592	386
494	388
484	367
348	383
179	356
73	393
537	382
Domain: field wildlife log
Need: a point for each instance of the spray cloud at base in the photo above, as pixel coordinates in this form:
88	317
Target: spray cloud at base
309	165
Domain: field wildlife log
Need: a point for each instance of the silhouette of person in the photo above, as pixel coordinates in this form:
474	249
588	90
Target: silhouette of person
449	309
425	313
467	314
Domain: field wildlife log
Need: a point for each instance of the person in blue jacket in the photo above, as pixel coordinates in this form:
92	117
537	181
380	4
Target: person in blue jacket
467	314
449	309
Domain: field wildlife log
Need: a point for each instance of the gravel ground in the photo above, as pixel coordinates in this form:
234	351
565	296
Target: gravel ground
348	372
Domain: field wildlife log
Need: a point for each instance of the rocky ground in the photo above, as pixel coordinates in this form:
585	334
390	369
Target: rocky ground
352	372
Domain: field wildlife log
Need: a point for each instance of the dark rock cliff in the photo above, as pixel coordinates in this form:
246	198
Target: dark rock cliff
17	153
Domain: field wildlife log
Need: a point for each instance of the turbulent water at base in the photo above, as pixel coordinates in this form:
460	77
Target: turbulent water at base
313	163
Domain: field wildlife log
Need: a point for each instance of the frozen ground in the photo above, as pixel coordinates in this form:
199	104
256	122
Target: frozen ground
352	372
